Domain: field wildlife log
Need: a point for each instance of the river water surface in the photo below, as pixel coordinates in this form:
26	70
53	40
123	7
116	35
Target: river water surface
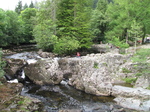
63	96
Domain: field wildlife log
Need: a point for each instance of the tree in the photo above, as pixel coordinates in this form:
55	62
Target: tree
82	16
121	15
45	27
66	45
135	32
65	17
19	7
2	64
31	5
27	16
25	6
11	29
44	36
99	21
14	30
3	26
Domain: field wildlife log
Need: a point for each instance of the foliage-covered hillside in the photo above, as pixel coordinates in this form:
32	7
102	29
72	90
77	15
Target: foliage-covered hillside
64	26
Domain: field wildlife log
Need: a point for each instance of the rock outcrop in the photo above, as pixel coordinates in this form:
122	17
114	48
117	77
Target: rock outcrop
12	65
133	98
44	72
94	73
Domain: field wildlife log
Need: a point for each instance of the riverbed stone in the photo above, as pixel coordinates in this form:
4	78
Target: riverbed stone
138	93
132	103
133	98
94	73
12	65
44	72
143	81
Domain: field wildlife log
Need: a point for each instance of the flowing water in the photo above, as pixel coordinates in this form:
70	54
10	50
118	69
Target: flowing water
63	96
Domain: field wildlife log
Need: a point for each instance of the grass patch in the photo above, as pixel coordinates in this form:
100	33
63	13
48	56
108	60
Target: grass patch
138	74
148	88
95	65
2	64
125	70
130	80
141	55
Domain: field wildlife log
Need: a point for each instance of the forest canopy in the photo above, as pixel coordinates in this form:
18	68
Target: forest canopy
65	26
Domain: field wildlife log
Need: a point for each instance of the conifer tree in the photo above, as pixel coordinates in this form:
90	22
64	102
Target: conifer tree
25	6
99	21
31	5
19	7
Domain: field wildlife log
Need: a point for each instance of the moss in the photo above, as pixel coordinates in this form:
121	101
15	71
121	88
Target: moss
130	80
95	65
125	70
138	74
148	88
105	64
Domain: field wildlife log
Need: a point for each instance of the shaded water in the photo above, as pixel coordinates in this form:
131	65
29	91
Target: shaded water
56	97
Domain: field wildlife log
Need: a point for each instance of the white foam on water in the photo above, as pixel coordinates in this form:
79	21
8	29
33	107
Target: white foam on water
30	61
23	75
13	81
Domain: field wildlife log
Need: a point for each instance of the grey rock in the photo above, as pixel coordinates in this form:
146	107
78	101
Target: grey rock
44	72
133	103
128	92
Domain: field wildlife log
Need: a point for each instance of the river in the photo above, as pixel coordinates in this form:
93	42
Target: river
63	96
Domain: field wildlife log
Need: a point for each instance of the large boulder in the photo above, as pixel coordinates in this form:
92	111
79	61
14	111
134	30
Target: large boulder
133	98
143	81
94	73
44	72
12	65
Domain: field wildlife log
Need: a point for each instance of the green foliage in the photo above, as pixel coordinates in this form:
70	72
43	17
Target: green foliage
121	44
26	17
148	88
125	70
99	21
123	14
3	26
130	80
2	64
141	56
44	36
66	45
31	5
14	29
20	102
95	65
142	66
19	7
10	28
138	74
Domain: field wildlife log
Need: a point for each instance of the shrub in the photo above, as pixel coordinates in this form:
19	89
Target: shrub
130	80
2	64
95	65
66	45
121	44
125	70
141	55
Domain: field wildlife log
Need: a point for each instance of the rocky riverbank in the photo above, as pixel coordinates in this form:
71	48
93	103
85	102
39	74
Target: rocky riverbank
11	101
97	74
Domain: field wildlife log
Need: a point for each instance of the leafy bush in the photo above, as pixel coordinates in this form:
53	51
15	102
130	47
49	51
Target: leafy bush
44	35
121	44
130	80
141	55
2	64
125	70
66	45
95	65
